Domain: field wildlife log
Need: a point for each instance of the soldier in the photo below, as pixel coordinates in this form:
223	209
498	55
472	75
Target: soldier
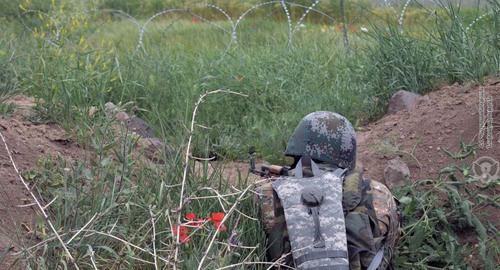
325	215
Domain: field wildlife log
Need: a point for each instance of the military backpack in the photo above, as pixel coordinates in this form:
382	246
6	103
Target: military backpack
328	219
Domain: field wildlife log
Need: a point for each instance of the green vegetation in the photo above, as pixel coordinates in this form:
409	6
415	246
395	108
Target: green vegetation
443	214
114	211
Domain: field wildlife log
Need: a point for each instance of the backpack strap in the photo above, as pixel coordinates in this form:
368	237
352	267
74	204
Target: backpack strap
352	194
377	260
306	162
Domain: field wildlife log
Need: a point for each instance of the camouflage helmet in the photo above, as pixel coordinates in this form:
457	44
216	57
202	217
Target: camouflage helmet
324	136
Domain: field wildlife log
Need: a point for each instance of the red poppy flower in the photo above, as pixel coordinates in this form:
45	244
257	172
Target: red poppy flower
190	216
219	226
180	230
253	25
184	238
219	216
195	20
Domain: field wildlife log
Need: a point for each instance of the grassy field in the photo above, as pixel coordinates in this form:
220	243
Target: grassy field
73	62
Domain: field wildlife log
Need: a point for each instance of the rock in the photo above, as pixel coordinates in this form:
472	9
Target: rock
154	149
403	100
133	123
122	116
140	127
396	174
109	106
92	111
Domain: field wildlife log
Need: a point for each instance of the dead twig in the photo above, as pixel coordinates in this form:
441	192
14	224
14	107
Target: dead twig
40	206
186	161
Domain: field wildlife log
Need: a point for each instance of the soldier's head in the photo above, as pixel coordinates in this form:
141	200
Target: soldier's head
325	137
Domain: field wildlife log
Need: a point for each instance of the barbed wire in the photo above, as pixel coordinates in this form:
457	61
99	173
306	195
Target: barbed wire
53	37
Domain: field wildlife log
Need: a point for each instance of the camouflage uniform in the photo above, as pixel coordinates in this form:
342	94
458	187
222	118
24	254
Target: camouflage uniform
370	211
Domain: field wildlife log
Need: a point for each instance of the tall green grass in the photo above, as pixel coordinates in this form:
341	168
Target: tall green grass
133	205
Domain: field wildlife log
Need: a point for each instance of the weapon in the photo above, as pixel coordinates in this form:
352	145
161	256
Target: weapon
268	170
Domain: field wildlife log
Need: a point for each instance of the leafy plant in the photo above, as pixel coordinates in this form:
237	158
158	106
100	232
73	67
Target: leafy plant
439	214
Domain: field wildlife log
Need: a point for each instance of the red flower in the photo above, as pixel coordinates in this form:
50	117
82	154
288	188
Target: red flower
253	25
184	238
195	20
219	226
219	216
190	216
182	231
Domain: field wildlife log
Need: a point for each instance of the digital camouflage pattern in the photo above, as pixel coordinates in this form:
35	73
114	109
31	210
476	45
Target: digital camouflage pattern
388	216
371	220
273	218
329	246
325	136
370	211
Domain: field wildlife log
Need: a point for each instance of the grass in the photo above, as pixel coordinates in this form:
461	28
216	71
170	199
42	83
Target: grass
116	211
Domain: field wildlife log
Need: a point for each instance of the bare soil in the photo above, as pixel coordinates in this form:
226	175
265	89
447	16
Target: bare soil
418	135
27	143
439	121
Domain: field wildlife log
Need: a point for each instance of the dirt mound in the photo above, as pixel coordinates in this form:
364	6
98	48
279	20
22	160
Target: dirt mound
27	143
440	121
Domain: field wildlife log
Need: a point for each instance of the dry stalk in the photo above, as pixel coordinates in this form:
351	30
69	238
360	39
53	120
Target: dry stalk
92	257
243	193
83	228
153	223
186	161
40	207
131	245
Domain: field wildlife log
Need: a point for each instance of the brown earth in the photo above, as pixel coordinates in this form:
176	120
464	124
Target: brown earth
27	142
439	121
417	135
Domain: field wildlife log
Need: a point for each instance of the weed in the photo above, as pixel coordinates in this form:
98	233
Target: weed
394	148
439	213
